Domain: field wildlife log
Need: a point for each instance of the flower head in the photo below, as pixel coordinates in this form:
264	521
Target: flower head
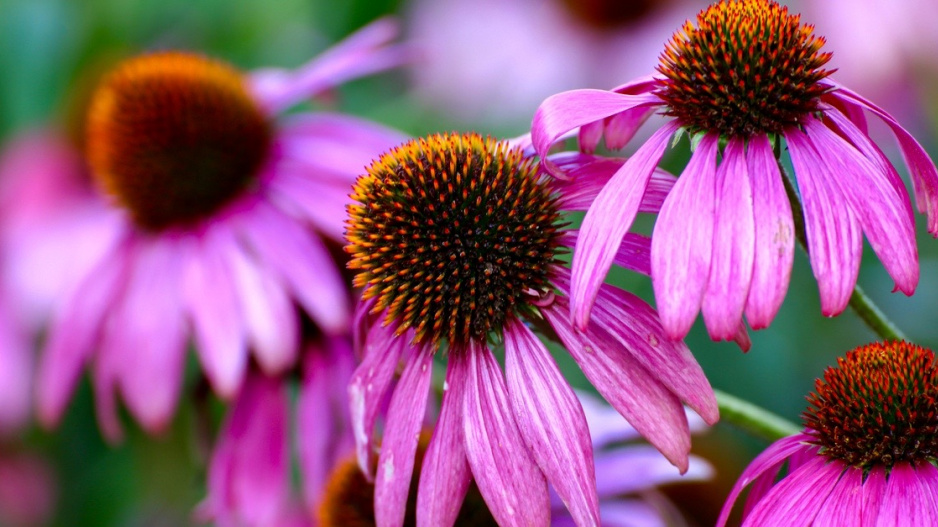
744	78
219	206
455	238
868	452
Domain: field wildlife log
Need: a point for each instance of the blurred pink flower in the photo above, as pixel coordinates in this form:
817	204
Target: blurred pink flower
27	490
219	207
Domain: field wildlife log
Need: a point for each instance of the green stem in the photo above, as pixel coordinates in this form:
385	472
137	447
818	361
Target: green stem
753	419
864	307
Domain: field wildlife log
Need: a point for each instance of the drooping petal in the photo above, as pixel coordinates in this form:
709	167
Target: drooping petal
774	235
628	386
874	489
843	506
682	242
368	386
731	262
927	477
508	478
621	127
903	502
881	212
212	303
445	476
770	458
401	434
796	499
587	175
551	421
607	221
634	253
834	235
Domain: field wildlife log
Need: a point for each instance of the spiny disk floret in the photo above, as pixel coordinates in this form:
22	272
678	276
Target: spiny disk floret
173	137
451	234
879	406
748	67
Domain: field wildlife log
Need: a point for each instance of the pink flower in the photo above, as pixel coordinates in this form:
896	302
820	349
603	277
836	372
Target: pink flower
867	455
454	238
218	205
250	469
724	239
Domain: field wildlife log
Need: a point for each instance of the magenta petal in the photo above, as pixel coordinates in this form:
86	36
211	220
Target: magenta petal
834	235
368	386
304	263
628	386
634	253
771	457
874	488
794	501
74	334
607	221
508	479
774	235
927	476
880	210
844	505
590	134
209	295
401	434
621	127
682	241
587	175
903	502
445	476
551	421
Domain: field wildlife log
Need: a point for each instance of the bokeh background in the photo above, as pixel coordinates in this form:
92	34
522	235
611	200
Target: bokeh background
480	65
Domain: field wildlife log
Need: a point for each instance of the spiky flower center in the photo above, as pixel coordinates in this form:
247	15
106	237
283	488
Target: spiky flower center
611	14
172	137
878	406
748	67
452	233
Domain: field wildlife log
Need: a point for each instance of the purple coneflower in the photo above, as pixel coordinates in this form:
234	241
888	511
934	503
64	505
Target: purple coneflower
867	455
455	239
748	75
218	204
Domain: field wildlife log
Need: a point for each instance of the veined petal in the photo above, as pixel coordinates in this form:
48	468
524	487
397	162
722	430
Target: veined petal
774	235
551	421
874	489
628	386
834	235
844	506
368	386
902	503
731	263
795	500
927	476
445	476
510	482
882	213
587	175
682	242
210	297
621	127
634	253
770	458
565	111
607	221
401	435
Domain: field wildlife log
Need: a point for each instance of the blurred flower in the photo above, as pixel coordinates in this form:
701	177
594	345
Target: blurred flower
455	238
27	490
748	74
868	452
216	204
249	481
498	59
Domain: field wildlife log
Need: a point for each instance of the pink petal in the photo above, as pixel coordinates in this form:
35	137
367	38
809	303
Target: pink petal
794	501
368	386
634	253
551	421
630	388
882	212
732	259
607	221
508	479
834	235
401	434
209	295
903	502
445	476
774	235
621	127
874	489
769	460
302	260
844	505
927	476
587	175
635	469
682	242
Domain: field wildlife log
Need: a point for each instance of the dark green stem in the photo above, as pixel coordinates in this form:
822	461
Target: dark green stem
753	419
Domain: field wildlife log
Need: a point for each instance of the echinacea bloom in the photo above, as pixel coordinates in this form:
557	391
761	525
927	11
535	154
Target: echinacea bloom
249	481
455	239
627	475
220	209
867	454
747	75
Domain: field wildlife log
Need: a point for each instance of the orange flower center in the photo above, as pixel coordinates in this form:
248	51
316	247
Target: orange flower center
173	137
